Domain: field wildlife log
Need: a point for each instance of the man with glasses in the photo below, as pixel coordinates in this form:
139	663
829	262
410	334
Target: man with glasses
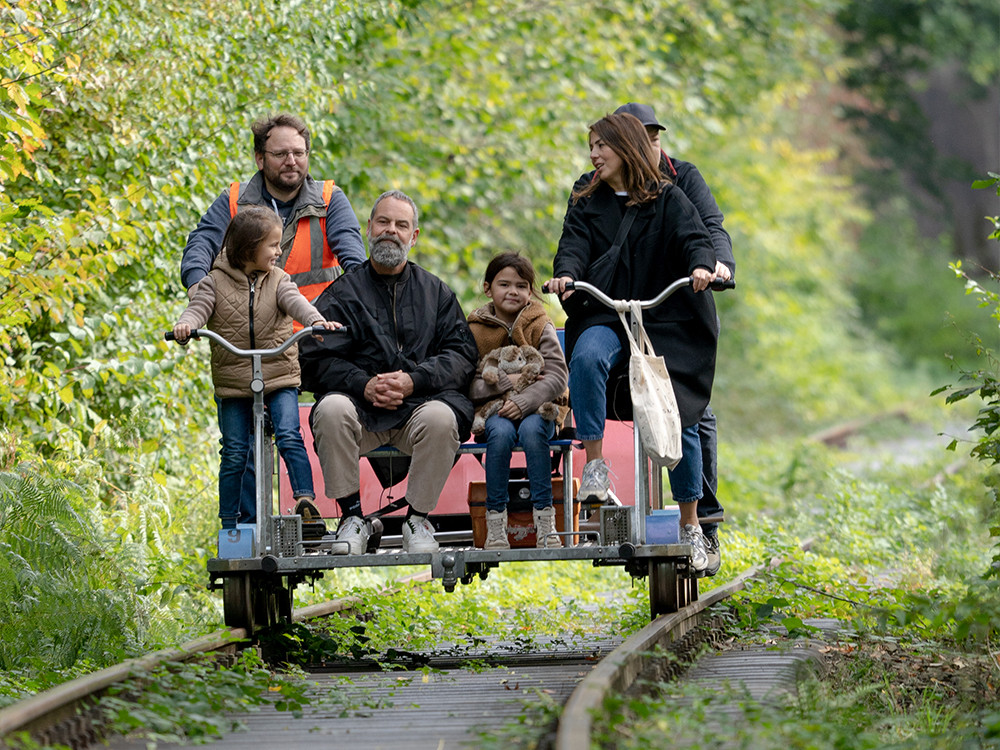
321	238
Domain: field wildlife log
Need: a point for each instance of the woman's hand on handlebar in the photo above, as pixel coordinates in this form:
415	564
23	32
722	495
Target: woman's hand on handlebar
558	286
701	278
722	272
181	333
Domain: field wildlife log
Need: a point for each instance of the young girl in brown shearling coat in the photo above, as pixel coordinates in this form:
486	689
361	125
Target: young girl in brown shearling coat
513	317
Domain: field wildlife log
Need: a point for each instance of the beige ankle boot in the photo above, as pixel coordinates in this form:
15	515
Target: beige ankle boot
545	523
496	530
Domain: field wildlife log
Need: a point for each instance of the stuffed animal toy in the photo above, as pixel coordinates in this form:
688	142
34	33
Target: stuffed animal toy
522	360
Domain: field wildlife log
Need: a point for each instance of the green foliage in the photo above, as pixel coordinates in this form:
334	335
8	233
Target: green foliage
896	547
894	45
197	701
912	304
61	579
853	708
122	121
985	381
532	606
82	584
792	350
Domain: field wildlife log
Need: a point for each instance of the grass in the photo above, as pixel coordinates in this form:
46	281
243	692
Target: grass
899	547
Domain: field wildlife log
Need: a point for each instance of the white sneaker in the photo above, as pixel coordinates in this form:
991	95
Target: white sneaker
496	530
692	535
354	531
545	524
594	482
418	535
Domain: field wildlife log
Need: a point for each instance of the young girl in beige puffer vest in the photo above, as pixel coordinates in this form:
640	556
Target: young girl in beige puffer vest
251	302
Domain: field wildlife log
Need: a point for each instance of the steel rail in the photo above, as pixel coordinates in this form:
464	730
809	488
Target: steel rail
622	667
41	713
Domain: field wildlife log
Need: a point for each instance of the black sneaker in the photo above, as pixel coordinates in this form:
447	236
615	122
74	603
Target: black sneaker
714	554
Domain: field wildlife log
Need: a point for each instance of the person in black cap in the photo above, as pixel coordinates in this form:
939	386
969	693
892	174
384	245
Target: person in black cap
686	176
601	245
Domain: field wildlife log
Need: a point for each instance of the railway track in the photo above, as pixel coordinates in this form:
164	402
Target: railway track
442	699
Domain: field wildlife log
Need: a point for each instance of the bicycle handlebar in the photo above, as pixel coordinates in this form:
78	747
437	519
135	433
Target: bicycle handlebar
604	299
197	333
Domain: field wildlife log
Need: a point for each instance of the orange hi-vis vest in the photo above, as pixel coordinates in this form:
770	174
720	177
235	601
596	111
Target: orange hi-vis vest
306	254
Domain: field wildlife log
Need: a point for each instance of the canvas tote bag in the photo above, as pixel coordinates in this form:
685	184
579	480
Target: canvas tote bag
654	406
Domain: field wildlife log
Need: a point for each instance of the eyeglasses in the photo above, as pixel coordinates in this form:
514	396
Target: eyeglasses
298	154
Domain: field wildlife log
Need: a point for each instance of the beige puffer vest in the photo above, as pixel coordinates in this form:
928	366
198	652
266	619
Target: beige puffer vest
269	327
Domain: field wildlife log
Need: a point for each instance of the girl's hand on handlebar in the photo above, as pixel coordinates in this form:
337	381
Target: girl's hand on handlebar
330	325
558	286
701	278
181	333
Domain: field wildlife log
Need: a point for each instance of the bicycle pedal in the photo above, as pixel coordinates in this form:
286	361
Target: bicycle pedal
313	530
375	535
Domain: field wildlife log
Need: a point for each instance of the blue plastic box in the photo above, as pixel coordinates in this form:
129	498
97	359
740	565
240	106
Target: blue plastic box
238	543
663	526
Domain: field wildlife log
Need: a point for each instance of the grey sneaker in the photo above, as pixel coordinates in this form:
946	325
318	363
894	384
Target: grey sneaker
692	535
354	531
418	535
594	483
713	553
496	530
545	524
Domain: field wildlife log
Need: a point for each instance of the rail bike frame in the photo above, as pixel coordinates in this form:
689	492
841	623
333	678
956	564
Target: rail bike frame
258	585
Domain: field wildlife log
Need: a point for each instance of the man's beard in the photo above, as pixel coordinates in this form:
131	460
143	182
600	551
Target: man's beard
388	251
282	181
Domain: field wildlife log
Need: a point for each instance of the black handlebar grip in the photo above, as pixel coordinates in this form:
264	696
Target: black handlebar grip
719	285
169	335
570	285
319	330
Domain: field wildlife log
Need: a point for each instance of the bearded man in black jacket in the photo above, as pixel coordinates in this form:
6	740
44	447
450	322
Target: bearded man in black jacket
400	376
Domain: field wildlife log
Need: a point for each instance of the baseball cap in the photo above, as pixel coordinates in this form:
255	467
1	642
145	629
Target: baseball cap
642	112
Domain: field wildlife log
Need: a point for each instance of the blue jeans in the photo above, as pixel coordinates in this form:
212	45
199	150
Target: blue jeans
248	490
595	353
236	424
686	477
534	434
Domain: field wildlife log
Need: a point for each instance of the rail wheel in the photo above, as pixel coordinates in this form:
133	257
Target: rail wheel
238	601
272	601
265	605
667	590
286	602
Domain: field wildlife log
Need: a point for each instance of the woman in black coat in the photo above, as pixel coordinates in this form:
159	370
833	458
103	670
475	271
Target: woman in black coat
667	240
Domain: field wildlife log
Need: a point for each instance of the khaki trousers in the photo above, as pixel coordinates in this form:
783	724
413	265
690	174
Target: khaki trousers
430	436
